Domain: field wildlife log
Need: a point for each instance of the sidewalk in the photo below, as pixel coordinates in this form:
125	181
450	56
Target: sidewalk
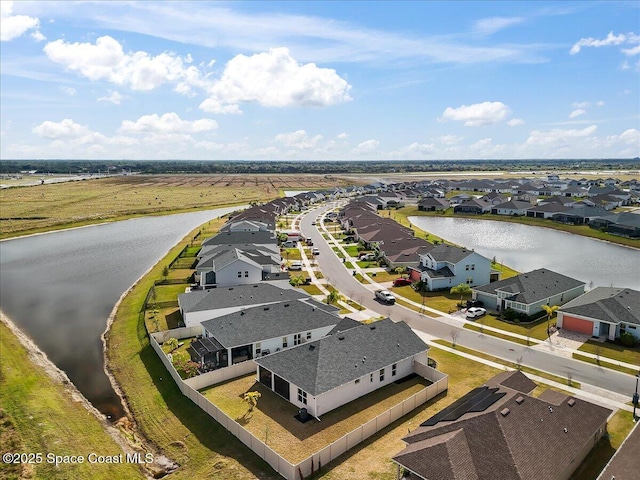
555	345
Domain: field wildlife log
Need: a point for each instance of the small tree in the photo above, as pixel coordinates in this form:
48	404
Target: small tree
296	280
454	334
190	369
251	398
333	297
165	271
171	344
462	289
550	311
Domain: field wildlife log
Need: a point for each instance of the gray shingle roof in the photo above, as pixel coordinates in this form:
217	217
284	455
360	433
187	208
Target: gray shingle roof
262	237
320	366
225	297
609	304
529	442
270	321
533	286
449	253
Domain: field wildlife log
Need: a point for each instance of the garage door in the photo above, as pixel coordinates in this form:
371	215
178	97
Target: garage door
577	325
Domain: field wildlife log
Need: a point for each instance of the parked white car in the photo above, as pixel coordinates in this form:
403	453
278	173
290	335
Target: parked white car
475	312
295	265
385	296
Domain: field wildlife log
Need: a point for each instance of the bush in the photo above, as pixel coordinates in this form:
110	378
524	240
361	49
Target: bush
511	315
627	340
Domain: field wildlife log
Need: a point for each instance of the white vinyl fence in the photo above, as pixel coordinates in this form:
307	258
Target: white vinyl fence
288	470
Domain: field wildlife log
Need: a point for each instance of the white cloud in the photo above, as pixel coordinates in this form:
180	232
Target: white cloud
274	79
558	136
514	122
69	91
493	24
600	103
67	128
611	39
450	139
478	114
14	26
577	113
113	97
342	136
413	151
167	124
106	60
368	146
581	104
632	51
298	139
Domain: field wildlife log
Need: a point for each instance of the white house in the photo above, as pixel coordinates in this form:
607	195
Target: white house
200	305
512	207
258	331
603	312
446	266
527	292
326	374
227	265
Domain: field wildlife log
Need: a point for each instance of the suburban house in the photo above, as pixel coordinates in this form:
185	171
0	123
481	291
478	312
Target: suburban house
404	252
247	226
325	374
626	224
603	312
446	266
200	305
474	205
228	265
433	204
512	207
247	334
527	292
501	431
261	237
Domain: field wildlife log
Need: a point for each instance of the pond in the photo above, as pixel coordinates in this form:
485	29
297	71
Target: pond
525	248
59	288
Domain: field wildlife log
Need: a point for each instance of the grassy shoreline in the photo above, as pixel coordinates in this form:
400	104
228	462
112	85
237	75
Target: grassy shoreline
582	230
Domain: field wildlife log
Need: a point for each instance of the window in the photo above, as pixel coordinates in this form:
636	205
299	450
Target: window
308	335
470	280
382	375
473	266
357	381
302	396
258	348
239	274
394	369
284	342
466	267
371	377
297	339
246	273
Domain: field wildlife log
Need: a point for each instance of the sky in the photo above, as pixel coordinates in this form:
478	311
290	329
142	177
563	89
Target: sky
328	80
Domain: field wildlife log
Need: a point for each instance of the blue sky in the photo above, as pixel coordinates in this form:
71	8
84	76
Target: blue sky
320	80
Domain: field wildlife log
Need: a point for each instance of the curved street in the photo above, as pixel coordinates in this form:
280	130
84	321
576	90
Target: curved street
343	280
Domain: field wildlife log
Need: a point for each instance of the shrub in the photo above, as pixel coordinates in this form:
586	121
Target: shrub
627	340
511	315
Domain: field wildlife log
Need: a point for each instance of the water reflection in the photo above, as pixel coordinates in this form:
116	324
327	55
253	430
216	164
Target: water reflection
60	288
525	248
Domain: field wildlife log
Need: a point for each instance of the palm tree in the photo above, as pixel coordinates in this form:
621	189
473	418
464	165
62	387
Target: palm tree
550	311
333	297
463	289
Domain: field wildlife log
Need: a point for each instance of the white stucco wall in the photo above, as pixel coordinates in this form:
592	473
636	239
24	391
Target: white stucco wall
337	397
228	276
272	344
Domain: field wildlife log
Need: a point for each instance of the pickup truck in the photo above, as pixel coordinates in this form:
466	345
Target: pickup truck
385	296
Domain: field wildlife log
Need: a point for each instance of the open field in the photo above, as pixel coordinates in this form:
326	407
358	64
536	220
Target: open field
42	208
40	415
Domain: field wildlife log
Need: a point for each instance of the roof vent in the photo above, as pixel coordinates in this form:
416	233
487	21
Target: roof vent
504	412
550	409
341	337
571	402
255	286
231	288
372	327
266	308
312	347
519	400
565	430
286	304
242	312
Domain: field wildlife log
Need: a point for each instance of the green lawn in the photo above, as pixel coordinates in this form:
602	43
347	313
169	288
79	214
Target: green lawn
338	253
537	329
605	364
478	328
183	262
613	351
291	254
367	264
352	250
273	418
381	277
442	300
40	415
167	293
311	289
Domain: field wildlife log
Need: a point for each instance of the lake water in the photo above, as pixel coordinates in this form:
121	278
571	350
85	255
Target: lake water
60	288
526	248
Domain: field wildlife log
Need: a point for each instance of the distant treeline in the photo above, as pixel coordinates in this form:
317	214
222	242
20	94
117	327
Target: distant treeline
325	167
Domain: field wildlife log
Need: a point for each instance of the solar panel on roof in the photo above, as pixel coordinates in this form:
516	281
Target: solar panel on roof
477	400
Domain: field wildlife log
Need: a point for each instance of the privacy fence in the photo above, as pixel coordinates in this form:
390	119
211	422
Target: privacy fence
314	462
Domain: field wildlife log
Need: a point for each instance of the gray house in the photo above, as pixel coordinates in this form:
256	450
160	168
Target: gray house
527	292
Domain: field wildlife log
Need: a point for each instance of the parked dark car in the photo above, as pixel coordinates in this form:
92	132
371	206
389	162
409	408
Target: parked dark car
474	303
401	282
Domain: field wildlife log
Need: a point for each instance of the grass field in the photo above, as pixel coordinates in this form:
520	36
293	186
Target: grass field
39	415
41	208
613	351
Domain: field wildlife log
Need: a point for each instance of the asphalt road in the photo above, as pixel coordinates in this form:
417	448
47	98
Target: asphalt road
342	279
